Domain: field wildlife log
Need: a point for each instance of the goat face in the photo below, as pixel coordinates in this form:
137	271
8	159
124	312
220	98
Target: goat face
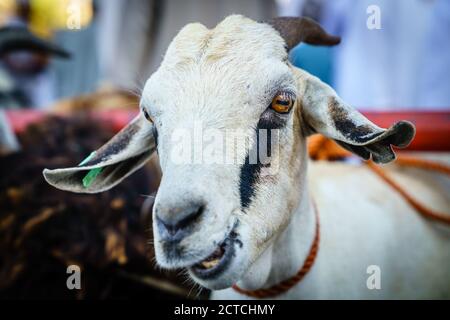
216	219
222	79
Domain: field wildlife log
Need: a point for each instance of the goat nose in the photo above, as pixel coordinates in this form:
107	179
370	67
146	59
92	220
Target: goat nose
173	224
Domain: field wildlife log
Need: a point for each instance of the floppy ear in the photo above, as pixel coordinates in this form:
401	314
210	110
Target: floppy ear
125	153
324	112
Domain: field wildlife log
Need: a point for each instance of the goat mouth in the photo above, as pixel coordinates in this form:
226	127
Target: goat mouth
218	261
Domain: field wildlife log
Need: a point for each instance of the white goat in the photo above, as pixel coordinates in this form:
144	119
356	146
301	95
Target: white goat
241	224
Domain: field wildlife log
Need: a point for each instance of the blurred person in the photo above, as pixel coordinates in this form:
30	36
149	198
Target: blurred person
402	65
120	42
35	50
22	55
32	78
434	72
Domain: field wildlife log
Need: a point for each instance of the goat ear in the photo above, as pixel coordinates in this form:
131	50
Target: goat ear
324	112
125	153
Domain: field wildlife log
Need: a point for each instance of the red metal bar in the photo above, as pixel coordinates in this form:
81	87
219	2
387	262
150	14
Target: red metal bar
20	119
433	127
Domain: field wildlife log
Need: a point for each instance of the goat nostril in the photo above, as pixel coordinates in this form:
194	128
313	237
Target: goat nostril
175	224
189	218
172	230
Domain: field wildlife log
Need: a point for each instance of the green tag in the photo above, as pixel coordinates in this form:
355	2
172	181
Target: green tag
90	176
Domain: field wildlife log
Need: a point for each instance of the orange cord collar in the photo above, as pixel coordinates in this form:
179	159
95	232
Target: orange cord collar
287	284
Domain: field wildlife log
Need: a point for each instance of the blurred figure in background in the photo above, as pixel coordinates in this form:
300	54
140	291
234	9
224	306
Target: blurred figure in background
403	65
24	54
28	76
118	44
434	75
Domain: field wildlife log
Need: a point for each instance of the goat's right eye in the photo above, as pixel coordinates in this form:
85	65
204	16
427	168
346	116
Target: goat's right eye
146	115
282	102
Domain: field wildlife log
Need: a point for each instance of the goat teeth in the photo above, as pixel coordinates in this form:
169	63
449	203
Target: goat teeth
210	264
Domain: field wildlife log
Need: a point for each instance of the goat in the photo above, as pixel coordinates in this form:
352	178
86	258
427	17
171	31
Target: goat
237	224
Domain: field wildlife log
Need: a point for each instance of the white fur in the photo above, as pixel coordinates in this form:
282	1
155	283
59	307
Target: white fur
225	77
363	222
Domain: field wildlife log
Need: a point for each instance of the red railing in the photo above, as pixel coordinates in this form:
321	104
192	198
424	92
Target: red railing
433	127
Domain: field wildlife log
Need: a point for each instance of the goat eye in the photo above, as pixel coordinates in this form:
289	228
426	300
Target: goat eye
146	115
282	102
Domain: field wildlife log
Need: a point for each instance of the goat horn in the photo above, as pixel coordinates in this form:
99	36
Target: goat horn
296	29
20	38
